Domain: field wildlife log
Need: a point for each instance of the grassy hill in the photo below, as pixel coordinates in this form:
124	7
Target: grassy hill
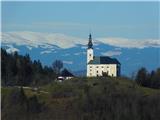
102	98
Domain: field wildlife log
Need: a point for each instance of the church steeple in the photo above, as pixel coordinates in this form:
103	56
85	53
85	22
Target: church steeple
90	45
90	49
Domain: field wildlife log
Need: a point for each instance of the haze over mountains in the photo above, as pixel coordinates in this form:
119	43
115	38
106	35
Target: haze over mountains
132	53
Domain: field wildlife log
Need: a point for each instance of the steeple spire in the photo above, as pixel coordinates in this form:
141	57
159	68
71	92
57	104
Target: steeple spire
90	45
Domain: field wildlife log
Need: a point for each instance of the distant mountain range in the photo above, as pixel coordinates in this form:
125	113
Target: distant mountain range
73	51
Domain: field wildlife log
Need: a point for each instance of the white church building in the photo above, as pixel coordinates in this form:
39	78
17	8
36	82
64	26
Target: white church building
101	65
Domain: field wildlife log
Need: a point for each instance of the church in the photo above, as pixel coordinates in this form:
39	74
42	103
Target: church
101	65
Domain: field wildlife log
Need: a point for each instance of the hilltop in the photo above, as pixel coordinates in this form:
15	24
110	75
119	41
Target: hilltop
102	98
99	98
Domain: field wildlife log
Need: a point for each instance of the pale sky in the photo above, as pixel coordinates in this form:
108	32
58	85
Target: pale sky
137	20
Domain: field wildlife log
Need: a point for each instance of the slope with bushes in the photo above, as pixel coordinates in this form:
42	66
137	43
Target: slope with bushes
101	98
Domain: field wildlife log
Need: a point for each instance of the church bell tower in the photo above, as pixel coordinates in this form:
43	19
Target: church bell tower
90	49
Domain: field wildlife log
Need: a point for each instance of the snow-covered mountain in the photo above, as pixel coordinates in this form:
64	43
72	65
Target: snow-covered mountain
48	47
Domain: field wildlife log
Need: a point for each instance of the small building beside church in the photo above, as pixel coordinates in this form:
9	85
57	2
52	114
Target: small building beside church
65	75
101	65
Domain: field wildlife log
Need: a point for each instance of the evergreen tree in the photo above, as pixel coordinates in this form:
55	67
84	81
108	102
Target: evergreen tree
141	77
155	79
21	71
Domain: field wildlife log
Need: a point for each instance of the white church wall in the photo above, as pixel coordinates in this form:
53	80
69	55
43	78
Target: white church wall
94	70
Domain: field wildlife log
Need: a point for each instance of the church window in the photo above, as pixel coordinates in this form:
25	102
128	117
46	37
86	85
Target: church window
102	66
97	71
90	66
90	55
97	66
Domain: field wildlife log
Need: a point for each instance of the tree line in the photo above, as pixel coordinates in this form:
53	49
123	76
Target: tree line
148	79
19	70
